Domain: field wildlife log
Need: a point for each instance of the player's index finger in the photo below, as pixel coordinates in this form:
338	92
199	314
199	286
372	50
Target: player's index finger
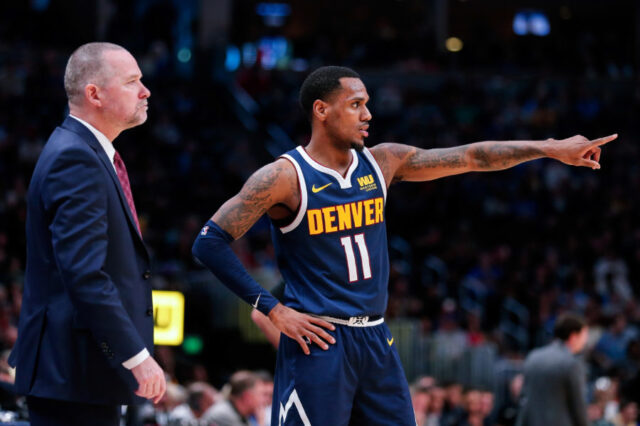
321	323
602	141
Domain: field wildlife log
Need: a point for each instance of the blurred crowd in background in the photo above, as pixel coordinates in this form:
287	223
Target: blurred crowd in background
479	259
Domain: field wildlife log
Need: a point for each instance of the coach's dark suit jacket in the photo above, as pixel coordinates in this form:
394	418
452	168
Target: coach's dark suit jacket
554	388
87	297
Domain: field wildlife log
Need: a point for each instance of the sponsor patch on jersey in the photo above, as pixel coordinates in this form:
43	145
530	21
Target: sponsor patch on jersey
367	183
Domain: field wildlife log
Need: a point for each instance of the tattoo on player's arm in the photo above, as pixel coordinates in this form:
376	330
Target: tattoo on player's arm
449	158
419	161
238	214
405	162
400	162
501	155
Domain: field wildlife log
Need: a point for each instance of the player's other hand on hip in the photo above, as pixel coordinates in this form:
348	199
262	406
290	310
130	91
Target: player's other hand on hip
150	378
579	151
303	328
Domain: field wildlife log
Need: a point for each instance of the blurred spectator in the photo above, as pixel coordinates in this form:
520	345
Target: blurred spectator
435	413
508	413
421	399
606	395
449	339
554	380
159	414
475	334
611	349
612	281
200	397
488	405
475	411
454	401
595	415
628	415
262	417
243	401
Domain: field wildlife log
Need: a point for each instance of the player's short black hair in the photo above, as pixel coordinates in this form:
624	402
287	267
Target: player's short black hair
567	324
320	84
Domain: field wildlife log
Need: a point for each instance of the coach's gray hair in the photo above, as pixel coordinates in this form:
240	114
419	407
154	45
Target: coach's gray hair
86	65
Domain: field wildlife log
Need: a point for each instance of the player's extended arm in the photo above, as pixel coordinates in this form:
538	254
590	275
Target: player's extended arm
271	185
407	163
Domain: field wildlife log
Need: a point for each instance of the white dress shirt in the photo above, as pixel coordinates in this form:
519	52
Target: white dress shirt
111	152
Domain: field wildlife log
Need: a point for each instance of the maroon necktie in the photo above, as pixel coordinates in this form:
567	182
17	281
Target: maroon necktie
123	177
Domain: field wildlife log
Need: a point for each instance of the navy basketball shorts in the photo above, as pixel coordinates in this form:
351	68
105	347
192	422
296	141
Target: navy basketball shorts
359	380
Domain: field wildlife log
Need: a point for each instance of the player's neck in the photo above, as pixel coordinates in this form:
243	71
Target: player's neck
327	154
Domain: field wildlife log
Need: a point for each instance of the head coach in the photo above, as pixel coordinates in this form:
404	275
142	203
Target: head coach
86	327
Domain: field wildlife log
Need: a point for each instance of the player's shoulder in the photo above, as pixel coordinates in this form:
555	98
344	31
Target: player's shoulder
284	166
279	171
390	148
277	177
390	155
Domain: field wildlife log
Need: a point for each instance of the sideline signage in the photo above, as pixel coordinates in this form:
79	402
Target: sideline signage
168	317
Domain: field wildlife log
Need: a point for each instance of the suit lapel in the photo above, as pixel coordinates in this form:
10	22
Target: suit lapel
75	126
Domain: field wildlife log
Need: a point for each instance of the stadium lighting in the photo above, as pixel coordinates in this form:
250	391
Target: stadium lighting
529	22
520	24
454	44
539	24
232	58
249	54
184	55
273	14
193	345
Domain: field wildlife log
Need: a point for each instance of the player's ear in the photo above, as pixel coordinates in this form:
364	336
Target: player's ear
320	108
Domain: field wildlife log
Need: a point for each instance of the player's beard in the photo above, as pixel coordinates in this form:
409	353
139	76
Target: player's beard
359	147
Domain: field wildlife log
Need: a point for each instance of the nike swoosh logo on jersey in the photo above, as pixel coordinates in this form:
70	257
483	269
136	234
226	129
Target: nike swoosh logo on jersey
255	305
314	189
390	342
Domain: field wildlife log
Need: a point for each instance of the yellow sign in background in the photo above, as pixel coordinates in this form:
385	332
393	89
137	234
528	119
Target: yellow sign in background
168	317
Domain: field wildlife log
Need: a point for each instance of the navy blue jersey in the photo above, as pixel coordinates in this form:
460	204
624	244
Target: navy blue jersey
333	255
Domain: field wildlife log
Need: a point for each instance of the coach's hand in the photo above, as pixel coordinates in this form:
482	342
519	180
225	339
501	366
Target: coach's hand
303	328
151	381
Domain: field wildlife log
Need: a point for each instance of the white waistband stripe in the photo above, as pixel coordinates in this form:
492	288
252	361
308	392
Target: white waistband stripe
352	322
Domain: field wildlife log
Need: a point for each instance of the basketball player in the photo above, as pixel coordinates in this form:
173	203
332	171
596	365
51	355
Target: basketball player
337	363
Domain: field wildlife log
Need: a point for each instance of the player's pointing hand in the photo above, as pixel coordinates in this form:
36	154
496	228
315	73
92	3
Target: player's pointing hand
579	151
303	328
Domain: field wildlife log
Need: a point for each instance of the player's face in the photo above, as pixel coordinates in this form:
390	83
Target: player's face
348	116
124	97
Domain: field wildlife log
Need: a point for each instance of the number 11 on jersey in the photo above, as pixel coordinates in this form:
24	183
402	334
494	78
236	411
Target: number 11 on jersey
351	257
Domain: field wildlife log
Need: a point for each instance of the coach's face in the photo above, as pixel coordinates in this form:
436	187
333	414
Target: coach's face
348	116
124	97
